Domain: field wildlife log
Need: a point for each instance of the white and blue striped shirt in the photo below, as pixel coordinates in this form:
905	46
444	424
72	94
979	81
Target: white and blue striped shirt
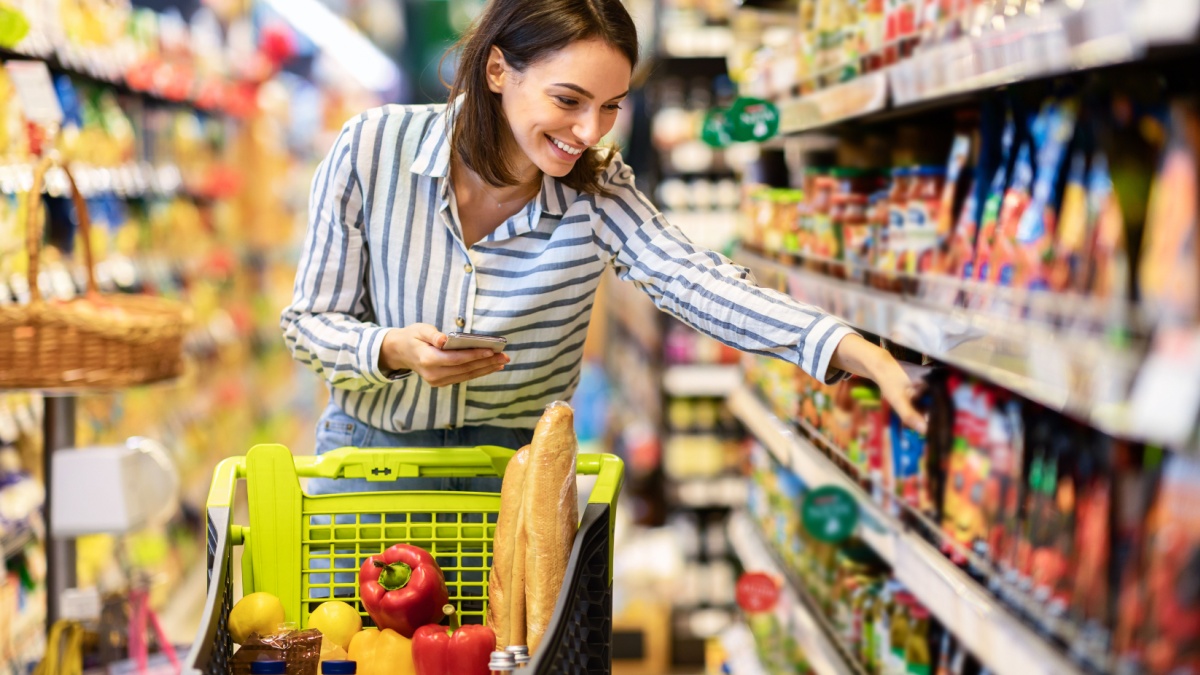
384	249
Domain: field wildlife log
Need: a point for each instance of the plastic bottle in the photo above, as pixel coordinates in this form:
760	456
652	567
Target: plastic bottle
917	659
268	667
901	625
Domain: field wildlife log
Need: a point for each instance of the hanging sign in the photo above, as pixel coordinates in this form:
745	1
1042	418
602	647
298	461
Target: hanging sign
715	131
829	514
753	119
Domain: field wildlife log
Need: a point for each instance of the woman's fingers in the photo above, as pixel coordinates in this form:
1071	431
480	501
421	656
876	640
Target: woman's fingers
442	377
901	399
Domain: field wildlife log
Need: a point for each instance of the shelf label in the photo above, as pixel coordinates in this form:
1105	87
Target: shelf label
757	593
829	513
34	88
1166	395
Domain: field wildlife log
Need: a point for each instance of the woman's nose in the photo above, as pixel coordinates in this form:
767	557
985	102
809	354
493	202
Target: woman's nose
587	128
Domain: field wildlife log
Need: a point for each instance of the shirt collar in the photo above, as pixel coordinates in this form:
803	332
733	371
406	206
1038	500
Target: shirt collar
433	154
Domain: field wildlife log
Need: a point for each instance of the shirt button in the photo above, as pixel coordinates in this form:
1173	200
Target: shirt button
460	322
468	269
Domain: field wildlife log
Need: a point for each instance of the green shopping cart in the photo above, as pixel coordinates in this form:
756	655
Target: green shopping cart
302	548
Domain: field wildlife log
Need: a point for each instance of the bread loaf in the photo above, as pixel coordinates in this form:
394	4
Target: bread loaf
550	515
504	590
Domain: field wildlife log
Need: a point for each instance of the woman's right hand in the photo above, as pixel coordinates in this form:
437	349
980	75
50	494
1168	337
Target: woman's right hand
419	348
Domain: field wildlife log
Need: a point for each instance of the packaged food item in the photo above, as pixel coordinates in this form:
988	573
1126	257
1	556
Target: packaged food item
1108	270
1136	475
1091	597
857	235
1034	234
897	212
997	187
998	266
301	650
1072	236
921	219
1169	274
1172	643
954	190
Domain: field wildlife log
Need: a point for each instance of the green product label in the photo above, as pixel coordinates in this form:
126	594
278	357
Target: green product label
829	514
753	119
717	128
918	669
896	663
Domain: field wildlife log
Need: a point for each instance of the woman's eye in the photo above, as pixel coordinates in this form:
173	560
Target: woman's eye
613	107
566	101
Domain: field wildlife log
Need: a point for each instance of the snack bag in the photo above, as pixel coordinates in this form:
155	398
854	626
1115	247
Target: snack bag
1173	574
1169	275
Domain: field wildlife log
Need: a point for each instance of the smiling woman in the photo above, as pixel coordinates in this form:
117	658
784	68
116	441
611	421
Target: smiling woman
497	215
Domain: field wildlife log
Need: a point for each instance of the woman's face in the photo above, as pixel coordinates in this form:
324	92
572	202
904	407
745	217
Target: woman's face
561	105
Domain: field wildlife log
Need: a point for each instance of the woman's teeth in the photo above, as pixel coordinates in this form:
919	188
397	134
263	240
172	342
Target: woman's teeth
565	148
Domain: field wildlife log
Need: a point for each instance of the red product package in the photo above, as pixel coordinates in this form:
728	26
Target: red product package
1173	573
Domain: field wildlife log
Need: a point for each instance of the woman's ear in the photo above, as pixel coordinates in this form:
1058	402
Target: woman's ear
497	70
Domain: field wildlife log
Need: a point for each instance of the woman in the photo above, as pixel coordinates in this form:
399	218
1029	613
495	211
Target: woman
497	215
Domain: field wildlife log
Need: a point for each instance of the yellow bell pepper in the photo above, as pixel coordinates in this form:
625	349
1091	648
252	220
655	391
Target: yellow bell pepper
382	652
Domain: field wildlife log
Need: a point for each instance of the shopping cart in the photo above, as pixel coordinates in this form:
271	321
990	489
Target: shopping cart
300	547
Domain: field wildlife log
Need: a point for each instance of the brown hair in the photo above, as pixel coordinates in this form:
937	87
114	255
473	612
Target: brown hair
527	31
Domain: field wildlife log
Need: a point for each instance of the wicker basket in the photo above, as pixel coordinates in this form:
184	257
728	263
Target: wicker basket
96	341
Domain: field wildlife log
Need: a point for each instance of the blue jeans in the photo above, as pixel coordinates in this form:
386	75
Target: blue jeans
336	429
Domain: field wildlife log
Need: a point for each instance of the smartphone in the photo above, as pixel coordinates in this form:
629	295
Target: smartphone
472	341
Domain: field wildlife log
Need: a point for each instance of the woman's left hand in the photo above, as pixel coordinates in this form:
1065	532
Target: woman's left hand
859	357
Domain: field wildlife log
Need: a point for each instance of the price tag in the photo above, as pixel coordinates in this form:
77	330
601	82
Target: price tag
829	513
1166	394
35	89
757	593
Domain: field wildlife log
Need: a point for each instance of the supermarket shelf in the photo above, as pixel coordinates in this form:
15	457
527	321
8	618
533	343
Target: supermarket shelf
840	103
796	453
1052	41
823	654
1055	41
1079	373
104	71
989	630
701	381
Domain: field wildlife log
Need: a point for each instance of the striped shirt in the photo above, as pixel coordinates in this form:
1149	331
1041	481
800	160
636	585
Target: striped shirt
384	249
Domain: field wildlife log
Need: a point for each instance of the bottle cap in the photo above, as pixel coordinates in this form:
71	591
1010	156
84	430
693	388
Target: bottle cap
502	661
339	668
271	667
520	653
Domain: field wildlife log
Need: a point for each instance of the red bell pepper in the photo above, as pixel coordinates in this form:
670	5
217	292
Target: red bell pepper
402	589
465	651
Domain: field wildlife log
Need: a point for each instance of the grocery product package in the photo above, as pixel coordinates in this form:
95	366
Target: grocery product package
300	649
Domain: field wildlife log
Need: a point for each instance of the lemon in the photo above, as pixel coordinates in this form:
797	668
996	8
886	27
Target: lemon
337	621
255	613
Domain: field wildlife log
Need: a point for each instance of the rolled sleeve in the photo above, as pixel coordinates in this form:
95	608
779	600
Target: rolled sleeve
706	290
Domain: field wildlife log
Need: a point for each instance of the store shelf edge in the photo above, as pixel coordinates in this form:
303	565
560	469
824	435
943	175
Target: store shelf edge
1030	359
989	630
893	90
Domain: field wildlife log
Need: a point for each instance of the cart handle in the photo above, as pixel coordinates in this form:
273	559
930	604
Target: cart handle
385	464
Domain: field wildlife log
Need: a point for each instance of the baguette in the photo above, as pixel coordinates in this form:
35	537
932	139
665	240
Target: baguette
504	590
550	514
